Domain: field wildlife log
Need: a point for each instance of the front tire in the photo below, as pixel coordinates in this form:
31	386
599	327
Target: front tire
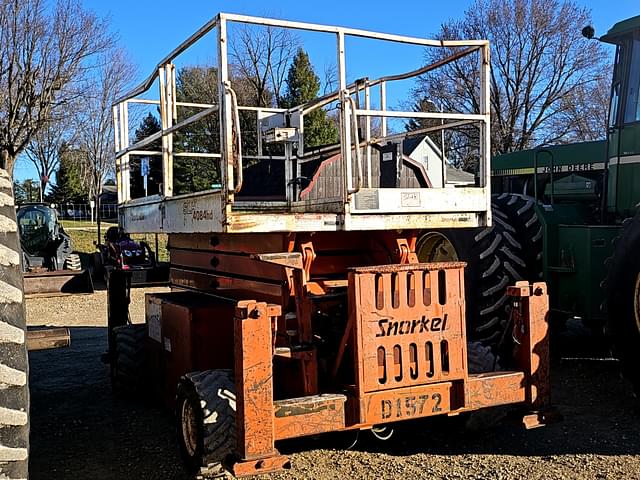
127	370
206	420
72	262
623	300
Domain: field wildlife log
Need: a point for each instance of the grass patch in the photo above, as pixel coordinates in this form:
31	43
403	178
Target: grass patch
86	224
83	238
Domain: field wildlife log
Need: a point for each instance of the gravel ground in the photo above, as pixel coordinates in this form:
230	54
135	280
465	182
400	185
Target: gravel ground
80	431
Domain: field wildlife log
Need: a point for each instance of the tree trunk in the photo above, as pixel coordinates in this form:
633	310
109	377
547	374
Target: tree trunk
43	187
7	161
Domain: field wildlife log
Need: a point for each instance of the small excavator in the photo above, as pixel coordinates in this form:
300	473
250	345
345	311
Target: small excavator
49	264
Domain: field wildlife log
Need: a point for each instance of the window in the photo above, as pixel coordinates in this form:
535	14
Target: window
632	104
615	90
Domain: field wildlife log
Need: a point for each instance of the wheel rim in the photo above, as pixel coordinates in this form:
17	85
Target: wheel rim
436	247
382	432
636	301
189	428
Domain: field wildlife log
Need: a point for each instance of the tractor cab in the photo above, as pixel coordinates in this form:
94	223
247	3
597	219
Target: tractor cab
623	151
40	234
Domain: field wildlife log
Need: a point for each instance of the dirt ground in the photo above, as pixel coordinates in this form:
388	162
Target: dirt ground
81	431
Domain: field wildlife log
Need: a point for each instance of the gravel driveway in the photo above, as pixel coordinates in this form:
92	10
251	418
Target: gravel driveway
80	431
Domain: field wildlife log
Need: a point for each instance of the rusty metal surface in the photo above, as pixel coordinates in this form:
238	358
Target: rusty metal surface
260	466
407	403
193	333
286	259
541	418
254	382
495	388
226	263
48	338
409	267
299	417
222	285
409	326
531	332
238	243
400	351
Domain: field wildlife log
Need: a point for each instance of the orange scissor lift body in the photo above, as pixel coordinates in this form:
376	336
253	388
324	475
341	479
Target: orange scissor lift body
402	353
301	268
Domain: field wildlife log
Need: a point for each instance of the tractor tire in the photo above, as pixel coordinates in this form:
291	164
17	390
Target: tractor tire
206	420
623	299
480	359
494	261
519	215
72	262
128	373
14	365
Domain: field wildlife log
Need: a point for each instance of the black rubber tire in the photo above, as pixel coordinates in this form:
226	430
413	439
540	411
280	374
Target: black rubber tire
128	367
72	262
520	214
494	261
14	364
480	358
623	299
208	399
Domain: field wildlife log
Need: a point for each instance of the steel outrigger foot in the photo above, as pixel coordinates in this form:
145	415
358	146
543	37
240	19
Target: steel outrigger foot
540	418
259	466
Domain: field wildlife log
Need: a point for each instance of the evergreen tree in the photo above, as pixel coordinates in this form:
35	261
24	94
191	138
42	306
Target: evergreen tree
26	191
302	86
69	187
148	126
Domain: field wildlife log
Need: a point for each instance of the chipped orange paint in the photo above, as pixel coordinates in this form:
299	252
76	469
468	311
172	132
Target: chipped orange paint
404	341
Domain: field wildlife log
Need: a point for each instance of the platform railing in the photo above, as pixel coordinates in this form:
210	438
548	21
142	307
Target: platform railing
347	96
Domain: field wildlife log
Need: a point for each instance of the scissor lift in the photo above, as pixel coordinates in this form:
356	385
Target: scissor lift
302	308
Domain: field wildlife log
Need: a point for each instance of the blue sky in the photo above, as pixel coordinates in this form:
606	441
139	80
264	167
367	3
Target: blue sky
151	29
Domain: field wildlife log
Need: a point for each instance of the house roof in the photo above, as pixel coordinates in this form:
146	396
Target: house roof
409	146
460	176
621	28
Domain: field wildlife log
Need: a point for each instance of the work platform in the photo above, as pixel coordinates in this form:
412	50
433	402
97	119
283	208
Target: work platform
203	212
377	176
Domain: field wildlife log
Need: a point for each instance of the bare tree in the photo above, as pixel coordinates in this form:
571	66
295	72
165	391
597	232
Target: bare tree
95	122
262	55
47	146
44	49
585	109
330	81
541	67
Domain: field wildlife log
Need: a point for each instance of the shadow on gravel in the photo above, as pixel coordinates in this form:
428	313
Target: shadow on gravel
601	414
80	430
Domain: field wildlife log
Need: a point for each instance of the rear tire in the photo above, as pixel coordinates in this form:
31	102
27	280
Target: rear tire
14	365
480	359
128	373
520	214
623	300
494	261
206	420
72	262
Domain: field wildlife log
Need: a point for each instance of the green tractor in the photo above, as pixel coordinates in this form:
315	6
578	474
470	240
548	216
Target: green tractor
574	212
